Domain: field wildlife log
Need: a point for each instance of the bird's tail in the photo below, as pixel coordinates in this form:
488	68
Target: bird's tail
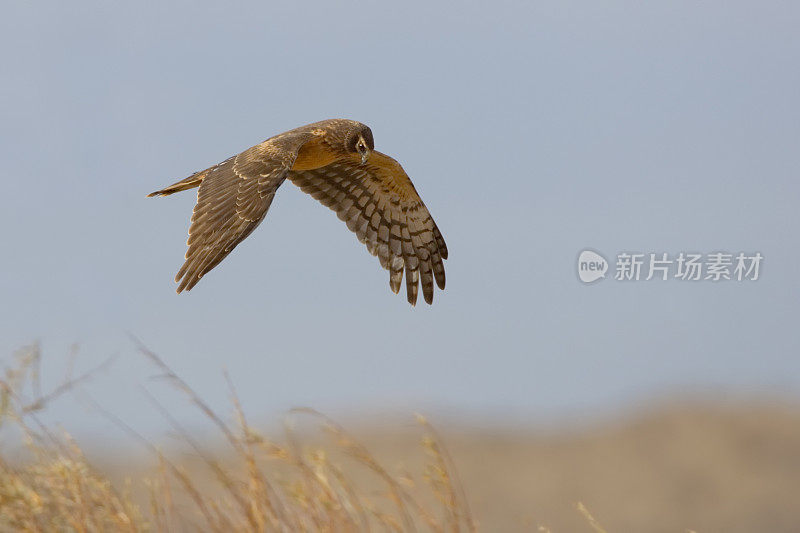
187	183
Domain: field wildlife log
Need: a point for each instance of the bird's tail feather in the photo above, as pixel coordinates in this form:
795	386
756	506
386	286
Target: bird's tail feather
187	183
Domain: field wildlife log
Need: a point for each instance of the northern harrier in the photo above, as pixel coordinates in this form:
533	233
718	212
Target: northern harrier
334	161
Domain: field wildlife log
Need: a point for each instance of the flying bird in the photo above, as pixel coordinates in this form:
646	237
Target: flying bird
335	162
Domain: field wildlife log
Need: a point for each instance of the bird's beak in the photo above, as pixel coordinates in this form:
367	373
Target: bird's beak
366	153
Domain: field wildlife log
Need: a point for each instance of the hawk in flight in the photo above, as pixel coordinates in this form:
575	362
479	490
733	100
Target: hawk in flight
335	162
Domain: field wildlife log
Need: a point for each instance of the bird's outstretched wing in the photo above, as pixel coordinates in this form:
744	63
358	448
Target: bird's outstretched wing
232	200
381	206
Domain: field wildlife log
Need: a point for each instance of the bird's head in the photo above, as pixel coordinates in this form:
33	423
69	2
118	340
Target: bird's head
360	141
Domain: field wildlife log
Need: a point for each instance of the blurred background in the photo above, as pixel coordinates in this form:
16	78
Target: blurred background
531	130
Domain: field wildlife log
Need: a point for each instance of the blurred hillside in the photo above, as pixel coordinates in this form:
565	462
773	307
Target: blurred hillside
695	467
699	467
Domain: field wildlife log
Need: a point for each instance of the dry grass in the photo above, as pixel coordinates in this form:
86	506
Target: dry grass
52	486
679	468
682	468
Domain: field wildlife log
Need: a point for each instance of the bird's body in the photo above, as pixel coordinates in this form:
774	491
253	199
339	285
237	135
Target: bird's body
334	161
314	154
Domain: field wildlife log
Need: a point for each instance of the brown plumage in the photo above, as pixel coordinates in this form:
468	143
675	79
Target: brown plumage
334	161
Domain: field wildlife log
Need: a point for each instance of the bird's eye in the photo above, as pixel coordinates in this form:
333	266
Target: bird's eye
361	147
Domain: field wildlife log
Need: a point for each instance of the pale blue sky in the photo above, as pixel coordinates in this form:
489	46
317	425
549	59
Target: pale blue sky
532	131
